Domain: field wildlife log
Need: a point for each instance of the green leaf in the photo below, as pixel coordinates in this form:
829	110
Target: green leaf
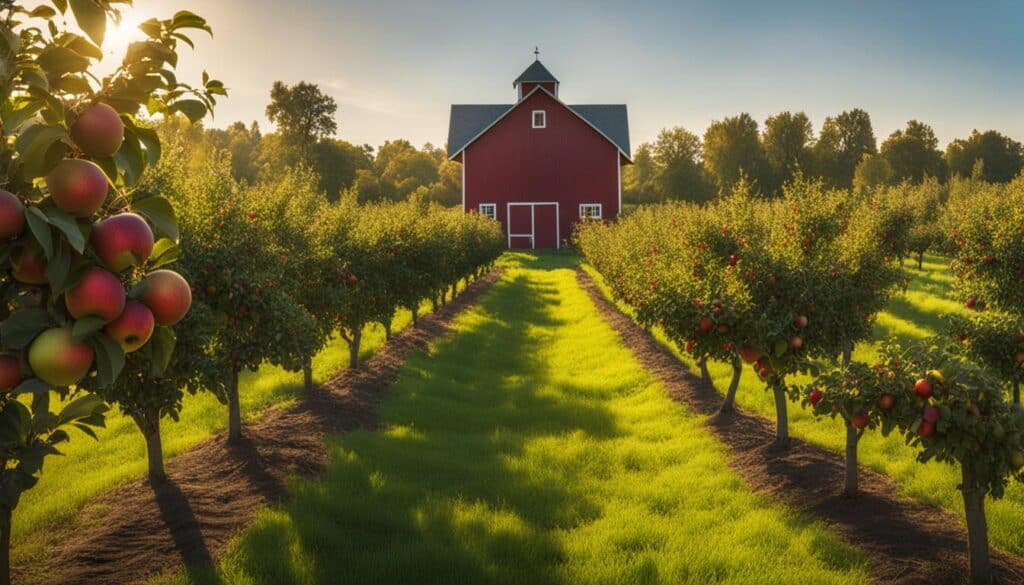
40	228
162	342
160	213
151	27
31	386
91	17
129	158
34	145
72	84
85	327
58	269
68	225
43	12
109	358
151	142
186	19
165	252
195	110
19	329
24	113
60	60
82	408
61	5
83	47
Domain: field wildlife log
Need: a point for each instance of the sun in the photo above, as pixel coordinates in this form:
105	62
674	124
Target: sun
121	35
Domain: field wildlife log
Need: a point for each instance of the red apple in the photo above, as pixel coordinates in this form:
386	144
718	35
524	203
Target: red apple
78	186
923	388
926	429
59	360
29	266
763	373
723	328
1019	357
971	302
749	354
800	321
733	260
133	328
98	131
689	347
931	414
98	294
706	324
886	401
796	342
10	372
168	295
859	420
12	215
122	241
815	396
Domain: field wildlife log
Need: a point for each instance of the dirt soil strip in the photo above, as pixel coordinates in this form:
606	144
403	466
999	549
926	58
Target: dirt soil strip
905	541
215	490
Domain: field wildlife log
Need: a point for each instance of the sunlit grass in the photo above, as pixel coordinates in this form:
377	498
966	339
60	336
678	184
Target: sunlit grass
530	447
90	467
912	316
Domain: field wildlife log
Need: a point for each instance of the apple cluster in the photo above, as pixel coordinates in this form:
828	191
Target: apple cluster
103	289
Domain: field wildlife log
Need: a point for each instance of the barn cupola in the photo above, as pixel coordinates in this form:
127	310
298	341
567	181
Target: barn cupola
536	74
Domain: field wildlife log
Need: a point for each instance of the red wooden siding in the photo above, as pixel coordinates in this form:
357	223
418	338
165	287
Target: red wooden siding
567	162
528	87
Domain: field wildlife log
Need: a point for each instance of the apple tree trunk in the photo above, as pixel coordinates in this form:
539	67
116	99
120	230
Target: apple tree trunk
781	415
234	408
307	373
852	439
455	289
920	260
387	329
433	303
977	527
149	423
353	348
704	373
5	545
415	310
1016	391
729	405
847	353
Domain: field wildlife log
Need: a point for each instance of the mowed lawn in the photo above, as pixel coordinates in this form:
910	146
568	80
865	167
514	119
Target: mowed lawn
917	314
90	467
530	447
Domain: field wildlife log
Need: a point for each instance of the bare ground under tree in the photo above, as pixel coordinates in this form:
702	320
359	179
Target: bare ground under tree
906	541
214	489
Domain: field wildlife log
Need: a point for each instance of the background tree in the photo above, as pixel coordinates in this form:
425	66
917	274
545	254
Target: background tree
303	114
872	172
787	140
732	149
842	144
913	153
638	178
679	173
1002	157
336	163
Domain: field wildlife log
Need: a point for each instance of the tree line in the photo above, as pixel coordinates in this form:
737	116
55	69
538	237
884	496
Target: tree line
306	120
679	165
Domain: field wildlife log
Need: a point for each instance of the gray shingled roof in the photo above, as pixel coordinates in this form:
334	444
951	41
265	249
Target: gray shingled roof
536	73
468	121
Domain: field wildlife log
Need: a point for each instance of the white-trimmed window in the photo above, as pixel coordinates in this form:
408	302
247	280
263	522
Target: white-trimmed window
489	210
590	211
540	119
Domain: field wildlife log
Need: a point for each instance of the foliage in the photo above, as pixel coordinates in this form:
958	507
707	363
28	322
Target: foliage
873	171
732	150
678	171
913	153
842	144
303	113
787	140
1001	157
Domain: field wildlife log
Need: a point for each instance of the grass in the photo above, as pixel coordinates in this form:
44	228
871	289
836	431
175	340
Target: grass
90	467
530	447
914	315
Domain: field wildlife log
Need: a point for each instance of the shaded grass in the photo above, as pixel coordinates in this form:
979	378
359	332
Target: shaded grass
90	467
911	316
530	447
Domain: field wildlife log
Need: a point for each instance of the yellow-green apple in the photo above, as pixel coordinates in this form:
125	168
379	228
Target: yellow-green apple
133	328
10	372
29	266
78	186
12	215
98	294
98	130
167	294
57	359
122	241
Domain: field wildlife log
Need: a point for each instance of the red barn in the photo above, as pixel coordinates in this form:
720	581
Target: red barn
539	165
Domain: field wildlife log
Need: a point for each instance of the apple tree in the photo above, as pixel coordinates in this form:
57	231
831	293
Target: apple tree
77	234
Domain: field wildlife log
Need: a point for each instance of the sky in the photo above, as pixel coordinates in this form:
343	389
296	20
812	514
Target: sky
394	68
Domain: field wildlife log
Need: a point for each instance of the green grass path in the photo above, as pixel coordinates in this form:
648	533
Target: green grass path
913	315
530	447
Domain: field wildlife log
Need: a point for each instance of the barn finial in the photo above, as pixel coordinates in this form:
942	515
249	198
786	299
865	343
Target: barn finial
536	53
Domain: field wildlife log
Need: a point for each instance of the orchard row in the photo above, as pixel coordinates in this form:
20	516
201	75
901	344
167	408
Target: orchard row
790	285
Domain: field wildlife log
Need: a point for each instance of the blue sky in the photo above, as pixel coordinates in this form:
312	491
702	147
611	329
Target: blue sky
395	67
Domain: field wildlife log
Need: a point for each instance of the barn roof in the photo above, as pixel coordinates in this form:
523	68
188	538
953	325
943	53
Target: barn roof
468	122
535	73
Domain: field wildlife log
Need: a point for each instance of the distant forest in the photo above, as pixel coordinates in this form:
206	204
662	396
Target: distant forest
677	165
